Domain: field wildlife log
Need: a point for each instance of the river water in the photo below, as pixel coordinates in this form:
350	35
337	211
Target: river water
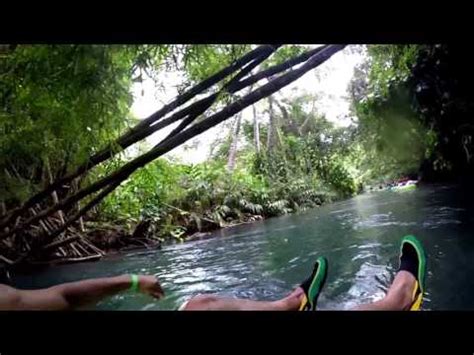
265	260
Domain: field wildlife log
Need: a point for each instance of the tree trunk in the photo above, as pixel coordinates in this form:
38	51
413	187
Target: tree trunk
288	121
234	143
256	130
271	132
301	129
54	194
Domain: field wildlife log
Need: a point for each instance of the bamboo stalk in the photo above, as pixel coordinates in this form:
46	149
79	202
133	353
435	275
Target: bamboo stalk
72	230
41	222
75	185
81	221
48	223
90	257
79	246
17	222
56	201
59	243
55	220
6	260
44	227
75	250
6	243
15	172
28	248
54	194
93	247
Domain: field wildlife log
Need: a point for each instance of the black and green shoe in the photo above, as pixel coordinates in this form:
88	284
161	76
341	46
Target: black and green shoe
413	260
313	285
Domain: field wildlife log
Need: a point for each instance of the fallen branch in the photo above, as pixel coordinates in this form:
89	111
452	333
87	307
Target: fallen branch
67	260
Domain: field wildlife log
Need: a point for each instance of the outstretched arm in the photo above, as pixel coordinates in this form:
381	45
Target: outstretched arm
74	294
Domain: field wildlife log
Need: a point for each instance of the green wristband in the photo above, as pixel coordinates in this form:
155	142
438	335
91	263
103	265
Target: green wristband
134	285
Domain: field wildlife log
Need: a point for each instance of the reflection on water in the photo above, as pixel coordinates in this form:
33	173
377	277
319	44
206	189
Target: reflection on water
265	260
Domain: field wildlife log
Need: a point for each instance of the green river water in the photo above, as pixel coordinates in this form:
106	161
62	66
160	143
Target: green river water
265	260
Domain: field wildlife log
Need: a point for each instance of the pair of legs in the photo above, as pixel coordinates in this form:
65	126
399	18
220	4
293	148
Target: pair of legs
405	293
398	298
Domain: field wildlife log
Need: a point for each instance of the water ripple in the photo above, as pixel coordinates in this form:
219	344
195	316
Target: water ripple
360	237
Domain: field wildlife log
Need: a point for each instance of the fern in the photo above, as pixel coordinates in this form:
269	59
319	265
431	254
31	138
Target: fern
278	207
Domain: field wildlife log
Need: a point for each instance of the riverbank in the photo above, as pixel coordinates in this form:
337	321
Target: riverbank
164	223
116	237
119	226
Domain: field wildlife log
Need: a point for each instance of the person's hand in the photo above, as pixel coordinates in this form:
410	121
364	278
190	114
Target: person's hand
149	285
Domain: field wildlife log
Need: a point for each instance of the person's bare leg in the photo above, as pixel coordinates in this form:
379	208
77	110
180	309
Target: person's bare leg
291	302
399	297
303	297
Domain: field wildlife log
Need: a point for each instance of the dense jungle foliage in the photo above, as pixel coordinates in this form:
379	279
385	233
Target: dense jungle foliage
411	108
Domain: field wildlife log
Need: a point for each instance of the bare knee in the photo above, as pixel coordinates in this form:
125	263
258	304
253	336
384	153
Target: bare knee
200	302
